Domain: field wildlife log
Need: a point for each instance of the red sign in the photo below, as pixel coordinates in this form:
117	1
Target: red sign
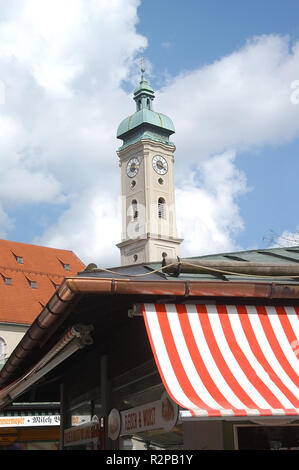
82	433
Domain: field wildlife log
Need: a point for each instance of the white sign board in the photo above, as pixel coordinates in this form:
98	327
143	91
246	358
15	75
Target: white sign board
160	414
42	420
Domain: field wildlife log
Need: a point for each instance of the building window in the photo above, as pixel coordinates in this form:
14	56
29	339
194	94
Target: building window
65	266
161	208
134	209
19	259
8	281
32	284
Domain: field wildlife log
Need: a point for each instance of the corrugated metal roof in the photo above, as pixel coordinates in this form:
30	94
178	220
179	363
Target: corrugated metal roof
153	271
278	256
271	255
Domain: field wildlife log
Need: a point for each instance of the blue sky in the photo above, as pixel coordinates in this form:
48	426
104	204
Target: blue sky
221	70
188	35
185	35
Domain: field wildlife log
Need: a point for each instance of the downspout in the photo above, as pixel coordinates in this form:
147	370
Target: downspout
175	267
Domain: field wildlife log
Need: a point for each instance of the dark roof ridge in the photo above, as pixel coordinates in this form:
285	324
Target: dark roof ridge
255	250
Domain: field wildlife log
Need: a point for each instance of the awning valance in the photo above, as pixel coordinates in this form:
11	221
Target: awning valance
227	360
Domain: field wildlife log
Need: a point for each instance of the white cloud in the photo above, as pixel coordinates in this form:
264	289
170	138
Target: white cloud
21	185
57	40
5	223
63	63
239	102
61	69
91	227
208	215
286	238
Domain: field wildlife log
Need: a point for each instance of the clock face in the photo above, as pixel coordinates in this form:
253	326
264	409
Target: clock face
160	165
133	167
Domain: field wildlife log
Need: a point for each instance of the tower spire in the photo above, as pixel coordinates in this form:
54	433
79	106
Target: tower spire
146	162
144	93
142	68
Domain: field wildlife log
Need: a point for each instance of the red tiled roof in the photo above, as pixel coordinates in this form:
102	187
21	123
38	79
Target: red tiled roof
21	301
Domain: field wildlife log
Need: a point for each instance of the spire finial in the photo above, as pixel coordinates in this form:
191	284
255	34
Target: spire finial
143	94
142	68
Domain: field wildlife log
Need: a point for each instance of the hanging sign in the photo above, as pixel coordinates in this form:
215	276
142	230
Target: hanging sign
160	414
114	424
83	433
41	420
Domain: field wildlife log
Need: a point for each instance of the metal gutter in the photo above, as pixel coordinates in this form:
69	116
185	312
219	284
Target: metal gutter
51	315
34	335
267	290
21	325
77	337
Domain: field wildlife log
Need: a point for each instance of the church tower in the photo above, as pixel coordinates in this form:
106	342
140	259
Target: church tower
147	183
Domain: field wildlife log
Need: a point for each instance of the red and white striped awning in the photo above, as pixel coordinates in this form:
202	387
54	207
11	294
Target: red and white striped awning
225	360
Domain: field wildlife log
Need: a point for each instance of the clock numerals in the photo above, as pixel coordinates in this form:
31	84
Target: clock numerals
160	165
133	167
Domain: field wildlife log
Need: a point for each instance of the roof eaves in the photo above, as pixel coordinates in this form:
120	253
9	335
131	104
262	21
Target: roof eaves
59	305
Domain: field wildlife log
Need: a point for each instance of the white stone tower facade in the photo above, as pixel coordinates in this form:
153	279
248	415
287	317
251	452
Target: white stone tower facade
147	183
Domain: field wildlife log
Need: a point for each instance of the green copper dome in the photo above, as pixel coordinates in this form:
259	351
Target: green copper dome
145	122
145	116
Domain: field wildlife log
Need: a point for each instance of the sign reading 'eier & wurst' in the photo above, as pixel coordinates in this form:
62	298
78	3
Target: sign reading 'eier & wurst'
160	414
